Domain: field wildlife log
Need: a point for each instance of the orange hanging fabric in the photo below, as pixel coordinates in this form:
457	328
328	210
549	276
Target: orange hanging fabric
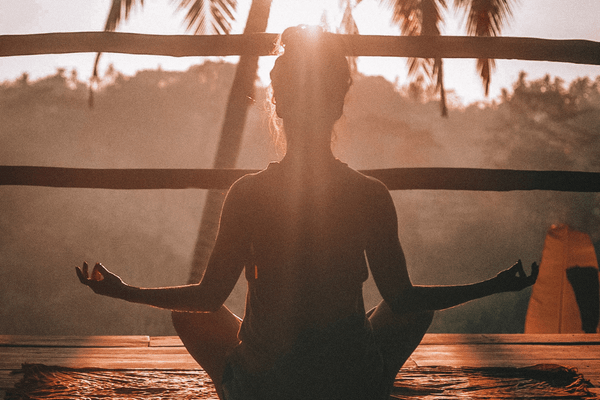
553	307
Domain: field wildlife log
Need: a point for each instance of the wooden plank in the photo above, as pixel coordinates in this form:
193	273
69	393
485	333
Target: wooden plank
167	352
165	341
8	380
74	341
261	44
559	338
589	370
478	179
99	357
171	341
454	338
482	351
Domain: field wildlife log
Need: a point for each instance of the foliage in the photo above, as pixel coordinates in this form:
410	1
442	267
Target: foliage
545	124
424	18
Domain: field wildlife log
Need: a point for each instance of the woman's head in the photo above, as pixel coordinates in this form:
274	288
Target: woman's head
310	80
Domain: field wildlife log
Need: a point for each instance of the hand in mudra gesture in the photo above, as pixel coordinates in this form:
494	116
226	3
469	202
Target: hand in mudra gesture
514	278
101	281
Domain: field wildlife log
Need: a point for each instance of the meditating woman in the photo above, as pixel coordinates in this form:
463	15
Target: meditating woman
305	231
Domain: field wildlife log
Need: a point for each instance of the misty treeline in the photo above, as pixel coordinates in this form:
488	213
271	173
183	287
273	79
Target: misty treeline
160	119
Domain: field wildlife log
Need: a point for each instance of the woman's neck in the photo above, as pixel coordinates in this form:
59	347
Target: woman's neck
308	148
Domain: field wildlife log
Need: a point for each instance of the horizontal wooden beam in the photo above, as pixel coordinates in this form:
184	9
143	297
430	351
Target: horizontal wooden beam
570	51
395	178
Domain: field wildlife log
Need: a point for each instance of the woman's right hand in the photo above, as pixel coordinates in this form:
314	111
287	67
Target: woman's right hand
101	281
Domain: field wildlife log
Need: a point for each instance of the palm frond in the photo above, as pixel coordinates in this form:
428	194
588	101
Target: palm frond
119	11
208	16
416	17
421	18
485	18
348	26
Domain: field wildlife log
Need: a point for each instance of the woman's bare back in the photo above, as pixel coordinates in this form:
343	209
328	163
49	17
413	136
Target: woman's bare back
308	234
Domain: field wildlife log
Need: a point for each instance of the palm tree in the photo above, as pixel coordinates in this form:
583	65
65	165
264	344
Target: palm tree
213	16
242	91
424	18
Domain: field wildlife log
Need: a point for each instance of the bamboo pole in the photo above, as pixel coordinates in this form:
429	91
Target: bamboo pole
473	179
534	49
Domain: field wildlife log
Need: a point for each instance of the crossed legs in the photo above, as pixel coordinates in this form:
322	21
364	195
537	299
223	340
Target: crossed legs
210	336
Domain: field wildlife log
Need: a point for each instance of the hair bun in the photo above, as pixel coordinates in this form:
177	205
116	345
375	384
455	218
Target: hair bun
310	39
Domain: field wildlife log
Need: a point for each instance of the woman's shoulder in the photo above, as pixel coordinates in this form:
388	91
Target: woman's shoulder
251	181
368	182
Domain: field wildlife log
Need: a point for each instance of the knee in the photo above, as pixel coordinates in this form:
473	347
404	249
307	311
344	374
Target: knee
424	319
181	322
419	321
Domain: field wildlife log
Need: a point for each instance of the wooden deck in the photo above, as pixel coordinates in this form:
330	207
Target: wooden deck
145	352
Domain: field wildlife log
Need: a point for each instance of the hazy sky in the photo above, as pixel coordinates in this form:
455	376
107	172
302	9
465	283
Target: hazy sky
551	19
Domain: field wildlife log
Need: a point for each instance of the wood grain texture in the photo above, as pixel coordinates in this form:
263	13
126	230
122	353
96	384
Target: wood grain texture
167	353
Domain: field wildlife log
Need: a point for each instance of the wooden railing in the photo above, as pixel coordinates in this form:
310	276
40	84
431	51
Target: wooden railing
570	51
394	178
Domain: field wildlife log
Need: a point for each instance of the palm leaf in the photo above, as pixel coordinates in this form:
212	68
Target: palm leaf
421	18
208	16
485	18
119	11
220	13
348	26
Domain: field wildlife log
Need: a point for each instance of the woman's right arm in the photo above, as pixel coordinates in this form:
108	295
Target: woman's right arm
228	258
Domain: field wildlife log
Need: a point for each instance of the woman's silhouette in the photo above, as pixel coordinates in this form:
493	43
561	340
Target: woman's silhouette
305	231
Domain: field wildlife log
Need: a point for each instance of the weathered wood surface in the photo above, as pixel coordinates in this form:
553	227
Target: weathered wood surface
456	350
478	179
534	49
75	341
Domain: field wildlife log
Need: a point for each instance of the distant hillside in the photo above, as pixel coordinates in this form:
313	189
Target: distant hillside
160	119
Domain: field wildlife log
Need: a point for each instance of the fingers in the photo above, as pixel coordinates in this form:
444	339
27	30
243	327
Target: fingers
535	270
82	278
101	268
82	273
98	272
519	269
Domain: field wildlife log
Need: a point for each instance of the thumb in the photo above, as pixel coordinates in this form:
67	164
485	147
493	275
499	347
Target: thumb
99	272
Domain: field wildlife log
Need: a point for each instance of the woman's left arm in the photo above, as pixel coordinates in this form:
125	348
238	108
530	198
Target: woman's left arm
226	263
419	297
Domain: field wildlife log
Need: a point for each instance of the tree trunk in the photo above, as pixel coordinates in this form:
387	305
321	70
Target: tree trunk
242	91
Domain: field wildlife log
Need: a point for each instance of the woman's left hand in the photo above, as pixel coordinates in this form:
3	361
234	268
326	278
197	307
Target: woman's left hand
514	278
101	281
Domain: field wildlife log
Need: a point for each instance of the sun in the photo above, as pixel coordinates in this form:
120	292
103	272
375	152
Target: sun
308	12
